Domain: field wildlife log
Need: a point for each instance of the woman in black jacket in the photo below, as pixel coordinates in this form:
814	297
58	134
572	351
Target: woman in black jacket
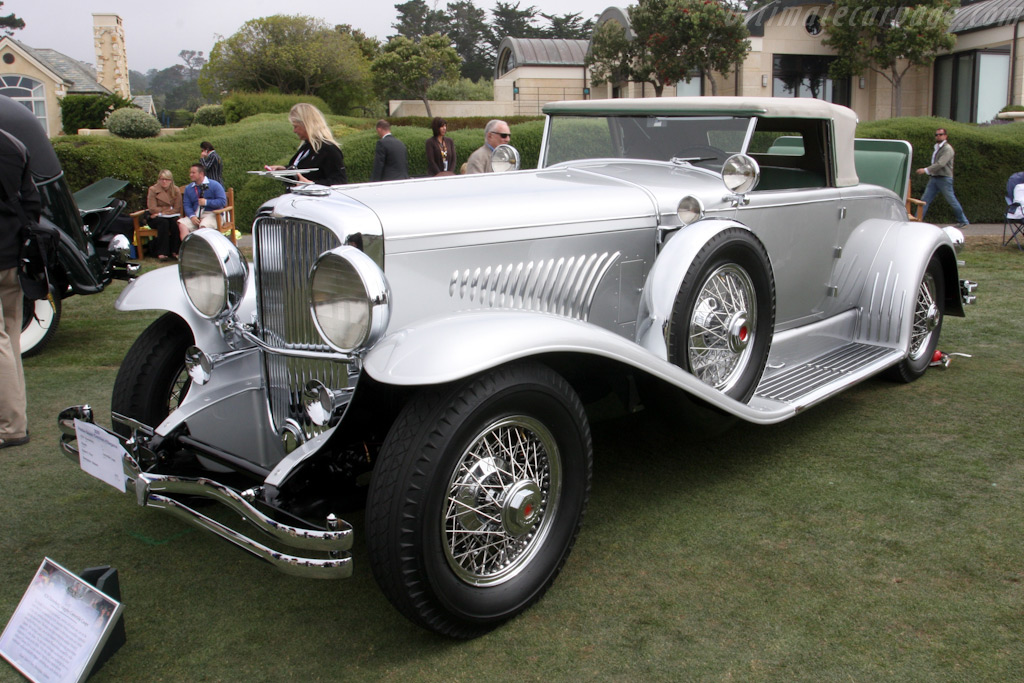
318	150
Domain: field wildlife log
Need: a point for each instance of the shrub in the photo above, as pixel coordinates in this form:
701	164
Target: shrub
133	123
1012	107
88	111
463	89
241	105
210	115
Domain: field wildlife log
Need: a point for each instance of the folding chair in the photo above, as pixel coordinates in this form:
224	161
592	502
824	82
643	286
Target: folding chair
1013	221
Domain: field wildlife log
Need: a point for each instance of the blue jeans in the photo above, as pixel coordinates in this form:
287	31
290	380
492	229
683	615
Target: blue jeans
943	184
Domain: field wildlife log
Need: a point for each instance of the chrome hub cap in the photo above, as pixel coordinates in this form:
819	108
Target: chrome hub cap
721	327
502	500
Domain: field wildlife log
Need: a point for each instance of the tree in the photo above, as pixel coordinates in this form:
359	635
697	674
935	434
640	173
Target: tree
511	21
193	62
568	26
471	37
887	37
293	55
673	40
416	20
10	23
406	69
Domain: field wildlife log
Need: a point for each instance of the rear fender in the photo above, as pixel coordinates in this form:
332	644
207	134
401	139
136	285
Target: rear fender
887	292
160	290
666	277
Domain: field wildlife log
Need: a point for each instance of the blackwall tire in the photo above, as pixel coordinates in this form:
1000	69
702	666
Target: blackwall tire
477	498
929	311
152	380
39	322
723	317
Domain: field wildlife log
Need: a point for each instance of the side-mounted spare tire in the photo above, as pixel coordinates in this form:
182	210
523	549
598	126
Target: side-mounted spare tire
723	317
152	380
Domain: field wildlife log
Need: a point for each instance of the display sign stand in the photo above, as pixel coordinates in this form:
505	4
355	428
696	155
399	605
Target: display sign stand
105	580
66	626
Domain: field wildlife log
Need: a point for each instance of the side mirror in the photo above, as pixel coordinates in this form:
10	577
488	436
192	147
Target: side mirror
504	158
740	174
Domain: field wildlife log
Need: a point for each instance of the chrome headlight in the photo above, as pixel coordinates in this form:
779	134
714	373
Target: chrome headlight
690	209
351	300
740	173
213	273
504	158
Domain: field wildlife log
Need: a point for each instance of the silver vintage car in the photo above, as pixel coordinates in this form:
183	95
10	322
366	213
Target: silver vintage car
427	348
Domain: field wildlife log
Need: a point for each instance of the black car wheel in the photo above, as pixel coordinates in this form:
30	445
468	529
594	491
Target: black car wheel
39	322
152	380
724	314
477	497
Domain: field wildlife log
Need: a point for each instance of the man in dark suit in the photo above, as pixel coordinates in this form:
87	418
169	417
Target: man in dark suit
391	160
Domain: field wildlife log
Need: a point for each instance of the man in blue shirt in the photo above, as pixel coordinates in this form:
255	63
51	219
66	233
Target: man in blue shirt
200	197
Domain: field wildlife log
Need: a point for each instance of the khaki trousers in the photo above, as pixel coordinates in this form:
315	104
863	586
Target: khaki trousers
13	411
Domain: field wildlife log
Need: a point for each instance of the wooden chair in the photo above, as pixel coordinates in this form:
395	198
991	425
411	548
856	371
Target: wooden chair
915	207
225	222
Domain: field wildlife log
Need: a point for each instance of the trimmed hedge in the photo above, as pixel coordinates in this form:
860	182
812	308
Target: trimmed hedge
210	115
133	123
89	111
986	156
240	105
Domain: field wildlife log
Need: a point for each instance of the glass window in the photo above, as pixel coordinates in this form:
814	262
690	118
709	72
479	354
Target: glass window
29	92
993	75
971	86
807	76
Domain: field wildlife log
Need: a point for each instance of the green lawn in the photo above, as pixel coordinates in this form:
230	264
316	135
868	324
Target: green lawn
878	537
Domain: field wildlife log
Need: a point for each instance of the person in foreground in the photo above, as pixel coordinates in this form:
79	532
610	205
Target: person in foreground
941	178
318	150
19	200
496	132
200	197
163	202
441	157
390	158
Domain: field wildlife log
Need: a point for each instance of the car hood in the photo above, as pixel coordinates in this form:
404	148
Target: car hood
496	207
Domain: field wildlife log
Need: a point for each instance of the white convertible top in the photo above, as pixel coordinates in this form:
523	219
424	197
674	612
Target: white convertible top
844	120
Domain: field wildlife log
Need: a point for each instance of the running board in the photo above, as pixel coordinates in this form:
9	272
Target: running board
803	385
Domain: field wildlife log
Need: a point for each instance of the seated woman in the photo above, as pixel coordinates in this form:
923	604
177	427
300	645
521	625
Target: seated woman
164	204
318	150
1018	198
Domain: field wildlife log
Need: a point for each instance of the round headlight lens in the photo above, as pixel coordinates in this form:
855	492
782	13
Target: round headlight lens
351	302
740	173
690	209
504	158
213	273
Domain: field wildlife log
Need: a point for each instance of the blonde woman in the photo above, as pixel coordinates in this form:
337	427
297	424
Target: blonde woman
318	149
164	204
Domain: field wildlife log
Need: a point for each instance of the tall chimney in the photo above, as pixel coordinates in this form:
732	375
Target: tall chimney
111	58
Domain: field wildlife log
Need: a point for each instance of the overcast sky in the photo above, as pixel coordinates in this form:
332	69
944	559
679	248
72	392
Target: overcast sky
156	32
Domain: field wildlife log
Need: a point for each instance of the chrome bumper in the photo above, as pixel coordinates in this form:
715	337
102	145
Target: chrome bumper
151	489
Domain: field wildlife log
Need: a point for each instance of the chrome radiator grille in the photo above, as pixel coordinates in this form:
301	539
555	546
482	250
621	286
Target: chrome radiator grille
285	252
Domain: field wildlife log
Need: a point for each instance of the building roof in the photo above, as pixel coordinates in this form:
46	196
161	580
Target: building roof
986	14
759	17
81	78
516	52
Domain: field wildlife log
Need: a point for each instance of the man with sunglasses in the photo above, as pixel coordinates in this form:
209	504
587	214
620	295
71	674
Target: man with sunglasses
941	178
496	132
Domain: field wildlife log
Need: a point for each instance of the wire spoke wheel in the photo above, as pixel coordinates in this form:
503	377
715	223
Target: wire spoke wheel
722	326
926	317
501	501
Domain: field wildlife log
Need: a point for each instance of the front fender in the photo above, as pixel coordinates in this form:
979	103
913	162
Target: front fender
666	277
453	347
160	290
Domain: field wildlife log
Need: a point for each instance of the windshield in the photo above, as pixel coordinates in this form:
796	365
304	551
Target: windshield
705	141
